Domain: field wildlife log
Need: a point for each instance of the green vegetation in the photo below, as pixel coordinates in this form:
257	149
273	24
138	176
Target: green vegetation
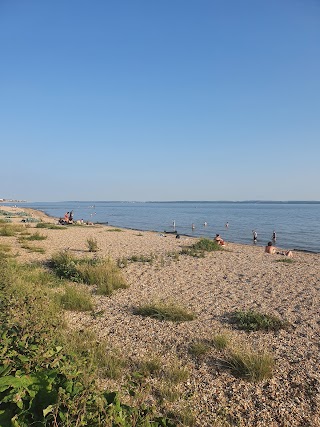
92	244
117	230
199	348
9	230
43	380
36	236
75	299
50	226
254	321
250	365
31	248
103	273
203	245
165	311
285	260
220	341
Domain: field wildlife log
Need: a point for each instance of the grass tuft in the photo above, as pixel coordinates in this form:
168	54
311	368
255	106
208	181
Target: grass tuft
254	321
163	311
251	366
285	260
75	299
220	341
50	226
92	244
199	349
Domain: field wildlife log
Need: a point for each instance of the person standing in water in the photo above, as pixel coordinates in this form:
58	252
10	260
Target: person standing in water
274	236
255	236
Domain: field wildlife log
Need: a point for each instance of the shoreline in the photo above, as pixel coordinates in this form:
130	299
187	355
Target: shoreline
240	277
44	214
238	236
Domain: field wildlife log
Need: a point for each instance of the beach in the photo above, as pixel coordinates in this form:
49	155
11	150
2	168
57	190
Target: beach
240	277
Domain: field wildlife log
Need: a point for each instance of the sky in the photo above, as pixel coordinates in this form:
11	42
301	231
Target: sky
160	100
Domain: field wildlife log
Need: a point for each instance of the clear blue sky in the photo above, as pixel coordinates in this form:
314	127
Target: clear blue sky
160	100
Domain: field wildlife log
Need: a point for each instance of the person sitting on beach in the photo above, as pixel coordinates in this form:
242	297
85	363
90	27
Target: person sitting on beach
66	217
70	217
270	249
219	240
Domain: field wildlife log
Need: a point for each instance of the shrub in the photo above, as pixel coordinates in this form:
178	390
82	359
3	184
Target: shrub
75	299
251	366
92	244
65	266
254	321
203	245
207	245
162	311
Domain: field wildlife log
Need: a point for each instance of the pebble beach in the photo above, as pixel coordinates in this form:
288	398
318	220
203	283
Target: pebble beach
240	277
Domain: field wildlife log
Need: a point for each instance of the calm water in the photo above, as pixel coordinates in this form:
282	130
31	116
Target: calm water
297	224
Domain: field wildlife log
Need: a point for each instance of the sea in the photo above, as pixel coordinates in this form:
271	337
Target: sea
297	224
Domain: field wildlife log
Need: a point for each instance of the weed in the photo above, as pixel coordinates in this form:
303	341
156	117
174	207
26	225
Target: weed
163	311
150	366
220	341
50	226
32	248
199	349
254	321
104	274
92	244
9	230
176	373
251	366
36	236
75	299
285	260
117	230
203	245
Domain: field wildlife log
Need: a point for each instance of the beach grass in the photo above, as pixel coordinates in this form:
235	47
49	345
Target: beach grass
75	299
250	365
254	321
165	311
50	226
92	244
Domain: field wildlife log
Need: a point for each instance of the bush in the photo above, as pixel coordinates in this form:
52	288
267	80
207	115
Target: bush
162	311
65	266
203	245
254	321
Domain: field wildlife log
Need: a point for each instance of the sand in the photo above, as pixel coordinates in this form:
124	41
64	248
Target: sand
237	278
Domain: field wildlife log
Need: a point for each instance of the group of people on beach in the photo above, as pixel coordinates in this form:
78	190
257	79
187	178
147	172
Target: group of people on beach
270	248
